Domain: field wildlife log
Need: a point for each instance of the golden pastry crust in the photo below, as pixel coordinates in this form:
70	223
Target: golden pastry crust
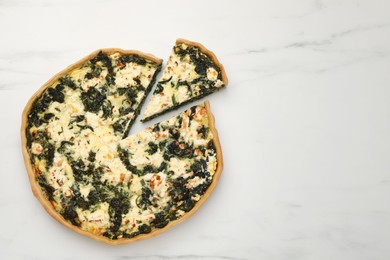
37	191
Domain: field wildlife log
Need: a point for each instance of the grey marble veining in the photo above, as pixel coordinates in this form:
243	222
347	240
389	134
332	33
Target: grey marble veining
304	124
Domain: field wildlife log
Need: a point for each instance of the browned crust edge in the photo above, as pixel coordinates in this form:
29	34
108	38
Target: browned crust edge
47	204
208	53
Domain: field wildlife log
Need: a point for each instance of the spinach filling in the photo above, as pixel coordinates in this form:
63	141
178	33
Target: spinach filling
124	155
118	207
93	100
89	172
46	186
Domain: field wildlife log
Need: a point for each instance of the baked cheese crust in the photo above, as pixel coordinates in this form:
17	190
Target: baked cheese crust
192	72
92	180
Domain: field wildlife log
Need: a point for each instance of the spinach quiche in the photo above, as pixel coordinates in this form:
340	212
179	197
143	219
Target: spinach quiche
94	179
191	73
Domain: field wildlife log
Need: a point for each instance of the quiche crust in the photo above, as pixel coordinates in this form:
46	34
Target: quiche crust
48	205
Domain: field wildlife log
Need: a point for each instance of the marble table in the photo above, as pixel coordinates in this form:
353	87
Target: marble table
304	124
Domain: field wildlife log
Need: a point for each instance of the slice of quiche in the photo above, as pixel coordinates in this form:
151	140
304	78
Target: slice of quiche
95	182
191	73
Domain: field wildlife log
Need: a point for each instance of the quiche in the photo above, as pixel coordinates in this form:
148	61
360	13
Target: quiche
94	179
191	73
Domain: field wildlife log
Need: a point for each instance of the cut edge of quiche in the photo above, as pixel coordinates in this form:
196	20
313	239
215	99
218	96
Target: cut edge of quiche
182	91
47	204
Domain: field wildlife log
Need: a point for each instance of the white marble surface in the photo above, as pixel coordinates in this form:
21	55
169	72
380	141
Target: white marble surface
304	123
